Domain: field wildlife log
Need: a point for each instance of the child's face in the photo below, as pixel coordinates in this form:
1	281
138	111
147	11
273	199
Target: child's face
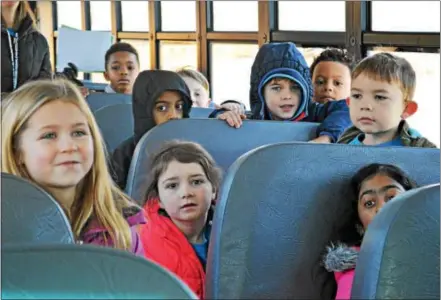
376	107
56	147
185	192
374	193
169	106
332	81
122	70
282	97
199	95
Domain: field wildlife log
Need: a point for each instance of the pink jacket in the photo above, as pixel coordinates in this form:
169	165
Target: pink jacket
341	260
95	233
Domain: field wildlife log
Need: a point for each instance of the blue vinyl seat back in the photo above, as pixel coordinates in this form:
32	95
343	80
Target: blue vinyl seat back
278	209
100	100
95	86
200	112
85	272
400	254
30	215
223	142
116	124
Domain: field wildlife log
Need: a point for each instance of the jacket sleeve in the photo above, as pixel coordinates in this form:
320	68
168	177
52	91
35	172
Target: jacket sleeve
46	67
216	113
119	166
333	116
137	246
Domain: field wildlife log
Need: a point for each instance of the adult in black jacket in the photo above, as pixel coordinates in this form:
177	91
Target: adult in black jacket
150	108
25	51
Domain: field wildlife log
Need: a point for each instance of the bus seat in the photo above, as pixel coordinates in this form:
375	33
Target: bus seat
279	208
95	86
115	123
200	112
399	257
85	272
99	100
223	142
31	215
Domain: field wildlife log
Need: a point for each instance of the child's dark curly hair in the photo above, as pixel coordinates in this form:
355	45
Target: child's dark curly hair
335	55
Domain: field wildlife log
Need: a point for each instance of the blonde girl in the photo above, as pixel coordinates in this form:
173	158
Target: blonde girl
49	136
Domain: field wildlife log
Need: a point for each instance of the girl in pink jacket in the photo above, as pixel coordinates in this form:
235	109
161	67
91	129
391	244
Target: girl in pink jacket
371	187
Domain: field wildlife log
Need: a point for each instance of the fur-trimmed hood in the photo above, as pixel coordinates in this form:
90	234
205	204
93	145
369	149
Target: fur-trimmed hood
340	257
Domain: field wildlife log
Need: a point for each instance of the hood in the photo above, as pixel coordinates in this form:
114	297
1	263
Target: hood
149	85
340	257
279	60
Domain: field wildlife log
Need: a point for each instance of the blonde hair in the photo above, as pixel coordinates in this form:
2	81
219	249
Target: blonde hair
196	75
23	10
97	196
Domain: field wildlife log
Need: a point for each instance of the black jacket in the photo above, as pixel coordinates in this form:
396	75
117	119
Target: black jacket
33	56
149	85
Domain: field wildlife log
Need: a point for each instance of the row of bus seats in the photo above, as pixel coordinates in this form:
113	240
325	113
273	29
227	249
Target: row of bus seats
40	259
277	209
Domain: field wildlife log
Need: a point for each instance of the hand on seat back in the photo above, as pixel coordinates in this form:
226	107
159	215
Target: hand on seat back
324	139
236	107
234	119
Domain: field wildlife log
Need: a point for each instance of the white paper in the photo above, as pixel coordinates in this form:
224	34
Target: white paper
86	49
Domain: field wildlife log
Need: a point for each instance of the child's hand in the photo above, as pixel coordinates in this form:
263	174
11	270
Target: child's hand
324	139
236	107
233	118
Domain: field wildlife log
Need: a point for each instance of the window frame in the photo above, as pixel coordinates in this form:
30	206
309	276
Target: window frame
357	38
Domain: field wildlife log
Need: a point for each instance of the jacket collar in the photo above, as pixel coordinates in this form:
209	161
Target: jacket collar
407	135
160	218
340	257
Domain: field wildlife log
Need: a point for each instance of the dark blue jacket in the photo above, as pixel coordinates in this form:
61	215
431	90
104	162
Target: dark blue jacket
285	60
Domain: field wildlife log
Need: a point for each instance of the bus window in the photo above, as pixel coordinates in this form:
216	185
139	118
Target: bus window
178	15
231	70
135	16
228	16
69	14
312	15
175	55
100	15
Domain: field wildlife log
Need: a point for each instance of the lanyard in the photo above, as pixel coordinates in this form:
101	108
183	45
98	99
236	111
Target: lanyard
14	58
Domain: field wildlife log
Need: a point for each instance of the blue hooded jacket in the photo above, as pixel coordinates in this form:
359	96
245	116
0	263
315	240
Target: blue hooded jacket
284	60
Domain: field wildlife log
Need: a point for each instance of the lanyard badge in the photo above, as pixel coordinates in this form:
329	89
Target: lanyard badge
13	47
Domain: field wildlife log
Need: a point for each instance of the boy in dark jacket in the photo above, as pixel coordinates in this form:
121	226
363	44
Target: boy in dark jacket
158	96
281	90
382	89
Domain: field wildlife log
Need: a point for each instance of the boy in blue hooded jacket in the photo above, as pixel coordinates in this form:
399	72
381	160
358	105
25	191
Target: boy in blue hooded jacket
281	89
